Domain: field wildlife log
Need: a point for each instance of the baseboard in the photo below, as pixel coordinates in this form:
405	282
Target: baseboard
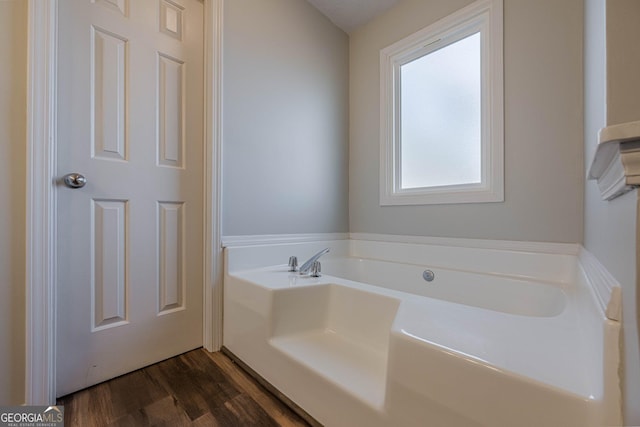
605	287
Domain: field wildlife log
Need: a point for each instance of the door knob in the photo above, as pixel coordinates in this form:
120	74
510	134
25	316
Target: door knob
74	180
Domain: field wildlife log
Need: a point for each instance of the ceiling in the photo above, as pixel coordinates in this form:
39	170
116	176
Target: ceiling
350	14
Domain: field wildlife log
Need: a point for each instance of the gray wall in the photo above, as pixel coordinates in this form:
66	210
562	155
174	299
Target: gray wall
544	174
611	227
623	61
285	120
13	49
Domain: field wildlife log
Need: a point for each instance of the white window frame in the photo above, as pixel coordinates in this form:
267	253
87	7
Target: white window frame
486	17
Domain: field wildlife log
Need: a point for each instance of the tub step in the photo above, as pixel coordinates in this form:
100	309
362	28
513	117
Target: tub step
356	368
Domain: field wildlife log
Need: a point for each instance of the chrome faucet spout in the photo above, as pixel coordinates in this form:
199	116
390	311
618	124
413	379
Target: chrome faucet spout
306	267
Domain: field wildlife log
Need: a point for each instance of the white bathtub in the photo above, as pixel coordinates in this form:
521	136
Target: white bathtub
489	291
498	338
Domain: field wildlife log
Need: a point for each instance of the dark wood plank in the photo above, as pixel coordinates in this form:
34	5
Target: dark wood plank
195	391
207	420
248	413
197	388
163	413
133	391
280	412
91	407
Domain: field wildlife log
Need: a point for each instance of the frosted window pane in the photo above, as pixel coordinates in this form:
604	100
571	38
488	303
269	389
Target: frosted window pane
440	117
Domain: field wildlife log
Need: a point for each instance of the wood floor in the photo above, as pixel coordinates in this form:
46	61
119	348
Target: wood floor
194	389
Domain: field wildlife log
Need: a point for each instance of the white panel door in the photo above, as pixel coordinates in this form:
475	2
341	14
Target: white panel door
130	119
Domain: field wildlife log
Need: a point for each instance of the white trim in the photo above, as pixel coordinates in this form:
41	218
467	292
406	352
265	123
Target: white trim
506	245
486	17
612	182
605	287
616	162
622	132
40	254
612	387
40	357
272	239
503	245
212	310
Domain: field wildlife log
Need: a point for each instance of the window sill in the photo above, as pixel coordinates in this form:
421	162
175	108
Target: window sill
616	164
447	195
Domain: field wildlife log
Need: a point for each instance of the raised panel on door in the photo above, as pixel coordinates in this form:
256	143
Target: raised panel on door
121	6
171	257
109	263
171	18
170	111
109	68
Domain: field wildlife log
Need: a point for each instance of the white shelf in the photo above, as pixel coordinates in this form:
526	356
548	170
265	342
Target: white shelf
616	164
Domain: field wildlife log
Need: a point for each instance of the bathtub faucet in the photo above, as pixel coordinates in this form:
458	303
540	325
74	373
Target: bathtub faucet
304	269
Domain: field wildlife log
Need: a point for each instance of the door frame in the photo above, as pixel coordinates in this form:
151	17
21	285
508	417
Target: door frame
41	192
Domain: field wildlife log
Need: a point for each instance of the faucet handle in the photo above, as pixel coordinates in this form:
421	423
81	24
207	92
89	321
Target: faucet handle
315	269
293	263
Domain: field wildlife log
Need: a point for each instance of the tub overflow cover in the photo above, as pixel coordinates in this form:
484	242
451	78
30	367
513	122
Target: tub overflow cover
428	275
